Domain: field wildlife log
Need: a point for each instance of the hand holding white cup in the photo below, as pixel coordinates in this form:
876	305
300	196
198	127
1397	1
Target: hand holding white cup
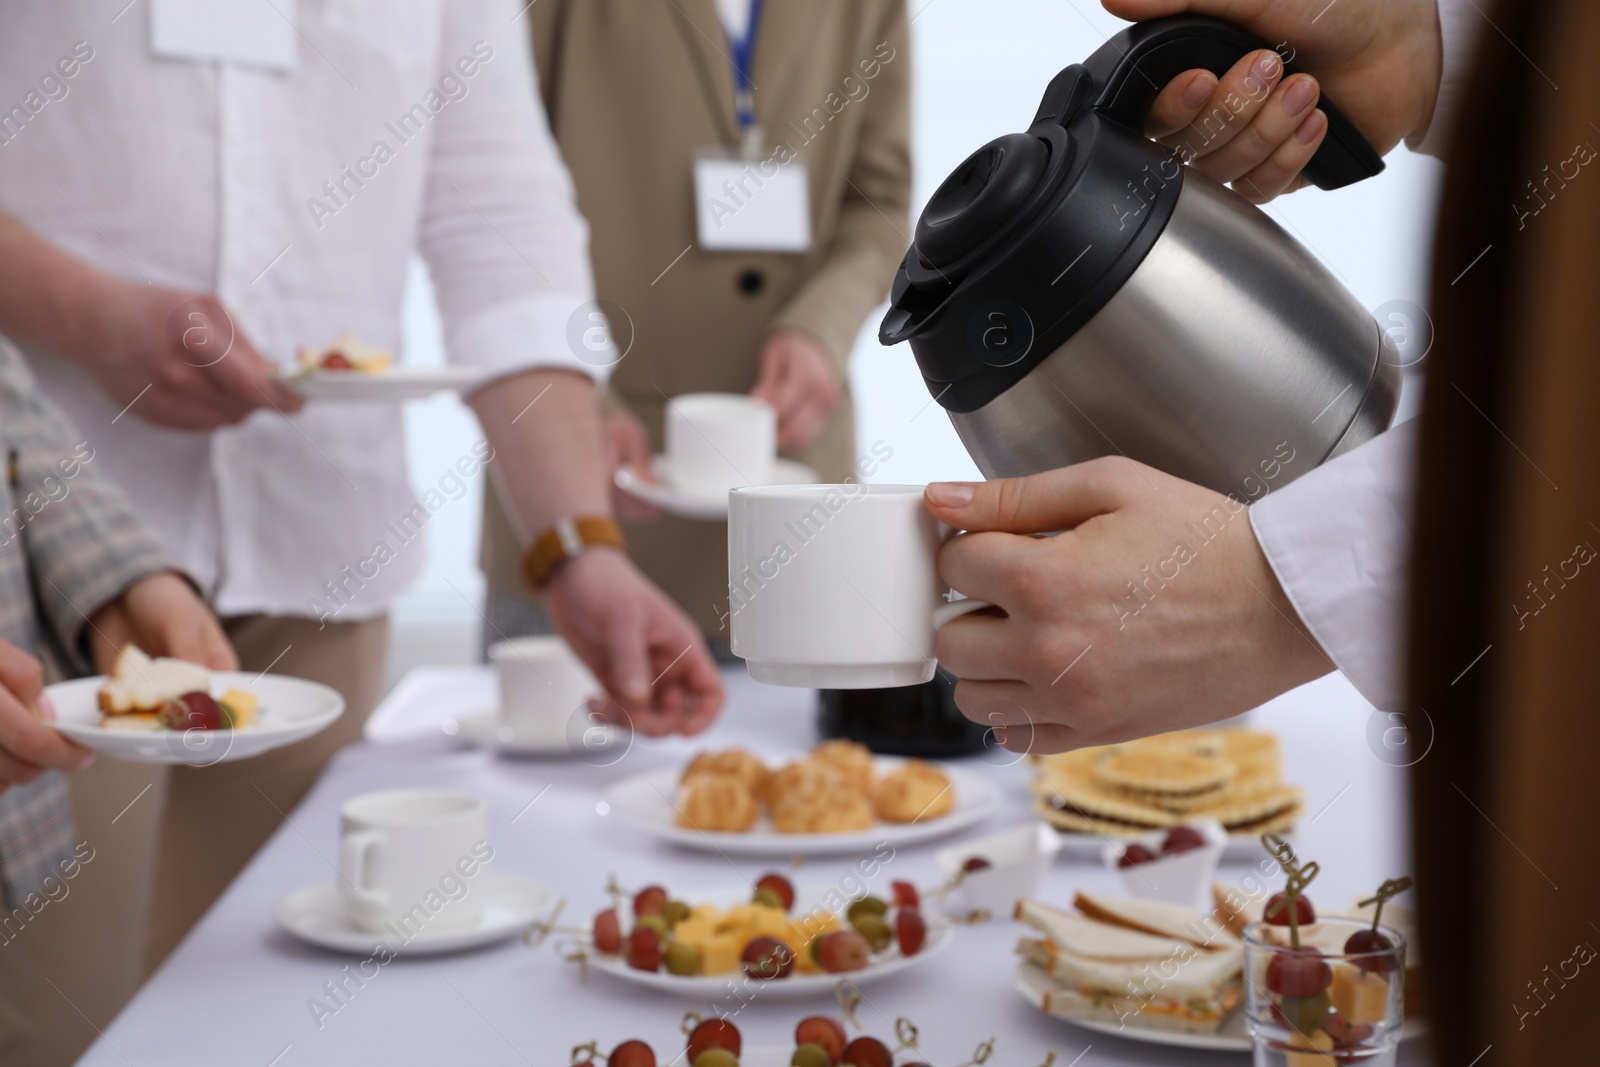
834	586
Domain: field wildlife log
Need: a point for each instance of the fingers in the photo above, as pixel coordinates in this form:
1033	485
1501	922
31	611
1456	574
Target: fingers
1179	102
1281	171
628	662
25	739
20	673
247	378
976	647
1041	503
1274	124
1238	97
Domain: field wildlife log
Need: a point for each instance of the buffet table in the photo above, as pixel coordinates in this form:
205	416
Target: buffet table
238	990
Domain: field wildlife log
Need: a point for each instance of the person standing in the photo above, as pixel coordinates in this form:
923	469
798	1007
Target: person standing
186	201
647	99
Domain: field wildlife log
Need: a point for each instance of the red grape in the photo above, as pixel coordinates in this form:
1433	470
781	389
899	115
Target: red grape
1182	839
905	895
649	901
779	885
714	1033
868	1052
644	949
910	930
842	950
1370	940
631	1054
821	1030
608	932
1298	972
976	863
337	361
768	958
1305	914
1345	1033
1134	855
192	711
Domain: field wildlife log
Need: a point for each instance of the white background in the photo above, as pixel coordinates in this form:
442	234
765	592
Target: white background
979	69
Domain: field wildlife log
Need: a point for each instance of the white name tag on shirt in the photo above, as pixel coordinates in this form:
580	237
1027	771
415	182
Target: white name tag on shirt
751	205
257	33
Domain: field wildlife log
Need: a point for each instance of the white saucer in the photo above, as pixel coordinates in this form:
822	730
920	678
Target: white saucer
315	914
701	505
483	727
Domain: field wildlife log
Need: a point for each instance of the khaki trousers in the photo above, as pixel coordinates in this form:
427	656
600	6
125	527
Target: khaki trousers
163	844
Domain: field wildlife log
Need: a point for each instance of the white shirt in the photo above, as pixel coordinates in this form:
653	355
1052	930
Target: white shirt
211	177
1339	538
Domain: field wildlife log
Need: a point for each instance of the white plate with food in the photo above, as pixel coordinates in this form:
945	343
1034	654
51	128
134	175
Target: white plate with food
393	385
700	505
837	800
148	711
726	938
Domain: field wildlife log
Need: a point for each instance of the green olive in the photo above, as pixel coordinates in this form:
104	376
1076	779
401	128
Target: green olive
768	898
808	1056
716	1057
816	943
681	958
875	930
1305	1014
674	912
653	922
867	906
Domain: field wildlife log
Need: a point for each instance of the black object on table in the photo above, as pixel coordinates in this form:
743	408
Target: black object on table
914	720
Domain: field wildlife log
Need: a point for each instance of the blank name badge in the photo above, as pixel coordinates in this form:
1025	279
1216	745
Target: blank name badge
751	205
258	33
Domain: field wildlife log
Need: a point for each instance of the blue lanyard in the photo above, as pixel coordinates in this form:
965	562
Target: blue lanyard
744	88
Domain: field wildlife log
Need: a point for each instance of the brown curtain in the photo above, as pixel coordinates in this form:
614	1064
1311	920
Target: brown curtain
1505	628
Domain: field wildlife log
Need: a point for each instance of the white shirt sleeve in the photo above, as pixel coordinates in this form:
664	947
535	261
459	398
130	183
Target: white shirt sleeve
500	229
1460	25
1339	540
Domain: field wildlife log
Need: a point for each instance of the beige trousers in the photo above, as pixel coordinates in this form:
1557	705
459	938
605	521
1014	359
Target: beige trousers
165	842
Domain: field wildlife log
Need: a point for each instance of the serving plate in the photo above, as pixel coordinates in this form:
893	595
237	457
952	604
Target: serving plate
688	504
393	385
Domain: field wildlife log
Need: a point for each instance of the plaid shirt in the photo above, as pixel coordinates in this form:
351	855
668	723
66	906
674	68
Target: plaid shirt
69	544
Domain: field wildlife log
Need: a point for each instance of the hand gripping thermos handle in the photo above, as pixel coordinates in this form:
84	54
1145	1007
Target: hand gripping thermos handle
1132	67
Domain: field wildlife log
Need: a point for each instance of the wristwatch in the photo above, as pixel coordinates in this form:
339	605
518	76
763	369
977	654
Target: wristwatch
566	539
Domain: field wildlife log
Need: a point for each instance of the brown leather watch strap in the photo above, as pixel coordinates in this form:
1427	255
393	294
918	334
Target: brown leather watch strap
564	540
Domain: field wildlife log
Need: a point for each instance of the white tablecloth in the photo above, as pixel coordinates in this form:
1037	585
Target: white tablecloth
238	990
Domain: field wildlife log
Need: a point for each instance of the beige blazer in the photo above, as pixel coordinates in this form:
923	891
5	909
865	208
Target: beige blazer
634	88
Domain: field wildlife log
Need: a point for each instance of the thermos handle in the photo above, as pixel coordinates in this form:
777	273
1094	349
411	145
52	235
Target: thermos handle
1131	68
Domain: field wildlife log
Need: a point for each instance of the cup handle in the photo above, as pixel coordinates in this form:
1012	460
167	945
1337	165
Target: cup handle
957	608
354	849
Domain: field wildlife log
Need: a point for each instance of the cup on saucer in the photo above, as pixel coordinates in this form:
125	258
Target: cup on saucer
408	859
718	441
543	686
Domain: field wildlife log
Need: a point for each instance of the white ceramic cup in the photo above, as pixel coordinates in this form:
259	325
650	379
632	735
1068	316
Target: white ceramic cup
833	586
410	860
542	682
717	441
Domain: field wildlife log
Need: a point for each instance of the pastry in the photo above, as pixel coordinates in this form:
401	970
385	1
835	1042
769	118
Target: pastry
812	797
735	762
1169	771
914	792
850	759
716	803
141	684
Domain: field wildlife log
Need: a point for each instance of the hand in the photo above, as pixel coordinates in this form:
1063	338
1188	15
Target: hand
162	614
1379	60
1154	610
648	655
179	361
798	379
628	445
27	746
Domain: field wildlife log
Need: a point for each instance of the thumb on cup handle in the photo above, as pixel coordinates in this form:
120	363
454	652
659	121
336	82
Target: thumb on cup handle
955	609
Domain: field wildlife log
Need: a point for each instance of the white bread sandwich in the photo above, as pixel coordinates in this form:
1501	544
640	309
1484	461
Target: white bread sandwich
1158	918
140	685
1110	973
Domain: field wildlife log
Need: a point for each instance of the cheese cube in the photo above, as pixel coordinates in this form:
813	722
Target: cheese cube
722	953
1360	997
1320	1041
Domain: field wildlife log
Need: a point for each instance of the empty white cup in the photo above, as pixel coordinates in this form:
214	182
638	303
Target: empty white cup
542	683
717	441
834	587
409	860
